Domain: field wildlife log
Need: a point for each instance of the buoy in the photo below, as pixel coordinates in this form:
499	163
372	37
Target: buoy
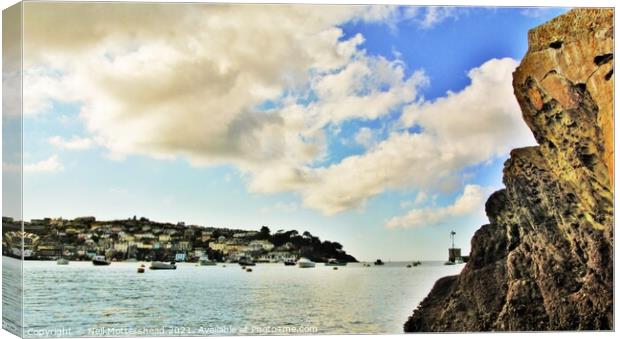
248	270
140	269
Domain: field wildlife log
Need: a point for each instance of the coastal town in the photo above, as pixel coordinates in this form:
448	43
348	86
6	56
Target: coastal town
140	239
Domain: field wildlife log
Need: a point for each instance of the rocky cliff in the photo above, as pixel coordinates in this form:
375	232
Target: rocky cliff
545	260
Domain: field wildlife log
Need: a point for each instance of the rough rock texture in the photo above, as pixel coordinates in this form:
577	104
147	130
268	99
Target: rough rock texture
545	260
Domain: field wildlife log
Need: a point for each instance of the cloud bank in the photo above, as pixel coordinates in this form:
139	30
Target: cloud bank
259	87
471	201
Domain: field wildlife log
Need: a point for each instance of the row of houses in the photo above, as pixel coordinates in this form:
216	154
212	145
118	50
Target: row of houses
133	238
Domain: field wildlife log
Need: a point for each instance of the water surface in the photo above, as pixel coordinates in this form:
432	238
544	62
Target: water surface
86	300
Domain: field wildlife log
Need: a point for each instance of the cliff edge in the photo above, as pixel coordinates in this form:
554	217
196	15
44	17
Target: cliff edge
545	260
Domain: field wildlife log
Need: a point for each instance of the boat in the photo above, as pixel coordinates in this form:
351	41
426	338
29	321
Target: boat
416	263
305	263
449	263
290	262
62	261
378	262
100	260
158	265
246	261
335	262
140	269
205	261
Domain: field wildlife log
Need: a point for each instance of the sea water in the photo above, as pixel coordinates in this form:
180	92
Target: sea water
80	299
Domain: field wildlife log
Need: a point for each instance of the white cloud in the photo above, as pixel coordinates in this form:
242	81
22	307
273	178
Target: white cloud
471	201
75	143
365	137
459	130
366	88
51	164
192	88
194	93
421	198
484	115
535	12
428	17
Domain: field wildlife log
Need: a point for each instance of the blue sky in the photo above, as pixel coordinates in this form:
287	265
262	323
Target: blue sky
388	178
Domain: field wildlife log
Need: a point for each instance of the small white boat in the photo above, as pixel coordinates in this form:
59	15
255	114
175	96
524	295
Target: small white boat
305	263
100	260
335	262
62	261
158	265
205	261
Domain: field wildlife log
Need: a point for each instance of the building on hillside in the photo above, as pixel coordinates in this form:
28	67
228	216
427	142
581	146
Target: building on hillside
180	257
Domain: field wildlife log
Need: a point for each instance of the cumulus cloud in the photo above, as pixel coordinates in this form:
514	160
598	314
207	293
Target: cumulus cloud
191	88
51	164
471	201
75	143
459	130
196	88
484	115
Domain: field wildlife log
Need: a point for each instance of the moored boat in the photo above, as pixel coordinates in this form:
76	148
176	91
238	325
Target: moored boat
62	261
378	262
246	261
158	265
100	260
205	261
305	263
335	262
290	262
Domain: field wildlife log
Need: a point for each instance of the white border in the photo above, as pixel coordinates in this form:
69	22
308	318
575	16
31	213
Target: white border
492	3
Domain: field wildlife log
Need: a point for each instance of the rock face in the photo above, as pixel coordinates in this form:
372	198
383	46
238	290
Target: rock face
545	260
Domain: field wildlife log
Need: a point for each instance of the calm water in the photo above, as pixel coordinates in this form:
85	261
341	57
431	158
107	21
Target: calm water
82	299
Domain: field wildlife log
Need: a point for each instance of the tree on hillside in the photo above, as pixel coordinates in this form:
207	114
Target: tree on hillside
265	232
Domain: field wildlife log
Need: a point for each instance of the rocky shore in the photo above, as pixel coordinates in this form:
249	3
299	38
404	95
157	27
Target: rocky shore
545	260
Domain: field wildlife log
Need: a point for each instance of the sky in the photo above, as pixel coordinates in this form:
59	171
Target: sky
380	127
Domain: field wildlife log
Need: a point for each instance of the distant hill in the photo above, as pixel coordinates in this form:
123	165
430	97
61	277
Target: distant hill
143	239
